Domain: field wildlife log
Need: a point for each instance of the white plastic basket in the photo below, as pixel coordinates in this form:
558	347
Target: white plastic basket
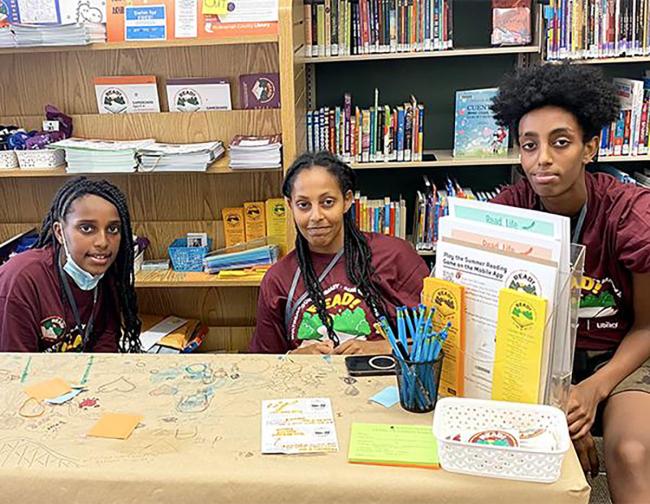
43	159
8	160
454	414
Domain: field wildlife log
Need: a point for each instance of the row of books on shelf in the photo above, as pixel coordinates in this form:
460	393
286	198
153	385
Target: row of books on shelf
379	133
628	134
382	216
345	27
581	29
432	203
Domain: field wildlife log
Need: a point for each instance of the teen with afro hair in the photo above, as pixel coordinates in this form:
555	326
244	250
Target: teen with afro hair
556	113
74	292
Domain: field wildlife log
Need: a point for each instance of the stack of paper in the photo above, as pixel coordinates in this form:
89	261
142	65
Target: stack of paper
30	35
179	157
7	37
487	248
101	156
255	152
260	256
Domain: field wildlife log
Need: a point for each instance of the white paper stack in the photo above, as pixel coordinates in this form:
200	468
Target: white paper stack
487	247
7	37
251	152
179	157
101	156
59	34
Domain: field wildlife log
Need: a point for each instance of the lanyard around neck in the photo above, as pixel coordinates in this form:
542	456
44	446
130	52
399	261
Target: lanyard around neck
75	309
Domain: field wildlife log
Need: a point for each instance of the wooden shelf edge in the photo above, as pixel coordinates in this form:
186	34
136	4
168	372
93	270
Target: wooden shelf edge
444	159
603	61
481	51
164	44
219	167
175	279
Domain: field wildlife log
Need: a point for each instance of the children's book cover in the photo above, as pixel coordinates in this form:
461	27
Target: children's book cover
476	133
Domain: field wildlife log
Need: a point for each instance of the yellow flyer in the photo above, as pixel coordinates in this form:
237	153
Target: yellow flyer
448	299
519	347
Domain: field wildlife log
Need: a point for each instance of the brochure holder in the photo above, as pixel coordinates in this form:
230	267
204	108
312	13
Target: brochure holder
565	329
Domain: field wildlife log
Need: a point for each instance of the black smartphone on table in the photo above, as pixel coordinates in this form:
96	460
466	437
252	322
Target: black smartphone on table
370	365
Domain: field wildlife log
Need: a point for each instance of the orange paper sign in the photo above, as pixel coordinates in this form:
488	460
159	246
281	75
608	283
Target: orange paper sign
115	425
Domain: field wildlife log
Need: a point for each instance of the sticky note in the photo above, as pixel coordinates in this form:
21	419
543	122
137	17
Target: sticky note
215	7
388	397
48	389
387	444
115	425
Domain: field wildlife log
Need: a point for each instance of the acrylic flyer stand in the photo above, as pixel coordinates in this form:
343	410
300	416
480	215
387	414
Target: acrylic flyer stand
564	333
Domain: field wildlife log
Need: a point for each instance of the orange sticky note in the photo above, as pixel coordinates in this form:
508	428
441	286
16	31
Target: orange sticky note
115	425
48	389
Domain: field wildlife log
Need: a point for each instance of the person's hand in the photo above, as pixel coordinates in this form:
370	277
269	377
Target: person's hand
317	347
586	449
355	346
583	401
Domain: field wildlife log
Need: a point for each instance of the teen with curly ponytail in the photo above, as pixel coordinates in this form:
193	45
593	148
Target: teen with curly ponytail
327	294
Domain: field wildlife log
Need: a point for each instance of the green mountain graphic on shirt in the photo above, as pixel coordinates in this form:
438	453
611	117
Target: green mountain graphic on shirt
348	321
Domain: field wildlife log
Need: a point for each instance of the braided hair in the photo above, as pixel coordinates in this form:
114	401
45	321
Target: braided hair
357	252
122	268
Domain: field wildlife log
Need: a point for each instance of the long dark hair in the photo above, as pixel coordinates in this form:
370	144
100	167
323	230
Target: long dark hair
357	252
122	269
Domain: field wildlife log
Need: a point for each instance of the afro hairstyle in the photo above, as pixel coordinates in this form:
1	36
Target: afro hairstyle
579	89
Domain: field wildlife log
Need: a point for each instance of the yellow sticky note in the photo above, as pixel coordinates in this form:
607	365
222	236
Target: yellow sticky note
115	425
48	389
448	299
521	326
215	7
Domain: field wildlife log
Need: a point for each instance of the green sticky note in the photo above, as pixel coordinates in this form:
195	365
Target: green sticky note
386	444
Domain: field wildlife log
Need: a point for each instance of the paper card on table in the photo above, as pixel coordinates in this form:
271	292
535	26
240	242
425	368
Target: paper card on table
48	389
519	347
303	425
62	399
388	397
115	425
448	300
399	445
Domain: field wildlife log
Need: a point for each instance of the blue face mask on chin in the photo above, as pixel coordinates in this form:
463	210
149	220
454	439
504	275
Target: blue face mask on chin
84	280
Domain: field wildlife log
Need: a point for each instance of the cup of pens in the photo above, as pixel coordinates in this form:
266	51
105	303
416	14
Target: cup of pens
417	348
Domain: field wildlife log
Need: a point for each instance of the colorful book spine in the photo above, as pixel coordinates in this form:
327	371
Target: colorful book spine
380	133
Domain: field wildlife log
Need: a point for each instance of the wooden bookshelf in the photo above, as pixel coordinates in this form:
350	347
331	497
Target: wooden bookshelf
444	158
219	167
162	207
174	279
165	44
449	53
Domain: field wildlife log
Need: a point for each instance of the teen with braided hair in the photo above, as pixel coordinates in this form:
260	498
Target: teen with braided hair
75	290
557	113
327	295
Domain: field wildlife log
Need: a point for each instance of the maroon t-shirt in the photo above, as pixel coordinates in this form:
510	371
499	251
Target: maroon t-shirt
616	234
399	272
34	316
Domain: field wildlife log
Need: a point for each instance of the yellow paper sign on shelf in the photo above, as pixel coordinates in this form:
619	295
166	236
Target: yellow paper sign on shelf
519	347
233	225
215	7
448	299
254	220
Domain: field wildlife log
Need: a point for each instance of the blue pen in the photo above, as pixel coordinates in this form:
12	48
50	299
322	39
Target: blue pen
409	321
